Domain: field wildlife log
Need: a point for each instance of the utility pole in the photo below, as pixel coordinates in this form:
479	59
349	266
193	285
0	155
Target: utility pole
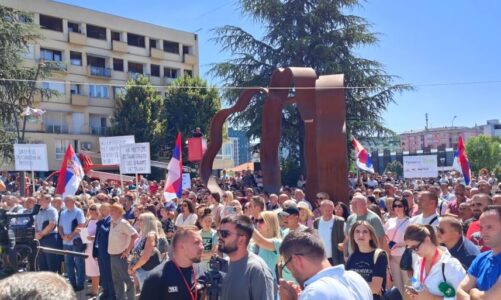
426	118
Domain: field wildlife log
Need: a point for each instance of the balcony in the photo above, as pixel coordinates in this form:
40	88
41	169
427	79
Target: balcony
56	129
157	53
168	80
119	46
99	130
135	75
189	59
79	100
99	71
77	38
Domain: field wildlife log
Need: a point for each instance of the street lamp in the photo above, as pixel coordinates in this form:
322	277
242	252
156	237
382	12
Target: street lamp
454	118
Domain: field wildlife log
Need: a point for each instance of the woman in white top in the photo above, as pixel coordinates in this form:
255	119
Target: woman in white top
395	229
187	215
437	274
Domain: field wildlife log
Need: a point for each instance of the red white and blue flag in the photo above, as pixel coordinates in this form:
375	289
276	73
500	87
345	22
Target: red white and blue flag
461	163
70	174
173	184
362	157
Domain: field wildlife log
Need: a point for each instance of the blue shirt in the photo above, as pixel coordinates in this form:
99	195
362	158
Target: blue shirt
49	214
102	234
465	251
66	219
486	268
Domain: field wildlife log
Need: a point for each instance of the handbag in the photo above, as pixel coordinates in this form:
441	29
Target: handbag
406	260
153	261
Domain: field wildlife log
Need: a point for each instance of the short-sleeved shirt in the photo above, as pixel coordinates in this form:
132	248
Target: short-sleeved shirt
166	282
395	230
431	220
209	239
120	236
486	268
270	257
66	221
248	279
363	264
370	217
46	215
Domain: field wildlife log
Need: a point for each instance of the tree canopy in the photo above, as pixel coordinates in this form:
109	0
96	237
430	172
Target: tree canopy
306	33
483	152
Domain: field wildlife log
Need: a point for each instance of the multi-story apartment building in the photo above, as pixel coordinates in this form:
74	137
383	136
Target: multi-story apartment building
434	138
98	53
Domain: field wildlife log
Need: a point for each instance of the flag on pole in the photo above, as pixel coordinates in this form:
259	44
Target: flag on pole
70	174
173	183
362	157
461	163
36	112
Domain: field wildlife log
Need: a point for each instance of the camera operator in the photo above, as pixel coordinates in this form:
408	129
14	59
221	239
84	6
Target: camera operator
248	275
176	278
46	233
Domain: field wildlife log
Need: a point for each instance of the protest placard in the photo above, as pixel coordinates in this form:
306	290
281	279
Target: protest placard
135	158
31	157
420	166
110	148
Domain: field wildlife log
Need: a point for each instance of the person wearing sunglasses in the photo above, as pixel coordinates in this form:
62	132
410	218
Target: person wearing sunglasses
450	234
395	229
304	254
187	216
436	273
248	276
266	240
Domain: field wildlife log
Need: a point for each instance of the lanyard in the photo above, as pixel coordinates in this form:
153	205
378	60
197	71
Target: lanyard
434	260
193	294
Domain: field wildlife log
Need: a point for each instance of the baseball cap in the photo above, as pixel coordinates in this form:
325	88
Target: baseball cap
170	206
289	208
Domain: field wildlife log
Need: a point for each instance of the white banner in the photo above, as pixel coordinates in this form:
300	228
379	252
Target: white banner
420	166
110	148
31	157
135	158
186	181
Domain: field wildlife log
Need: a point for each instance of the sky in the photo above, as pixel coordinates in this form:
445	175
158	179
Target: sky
448	50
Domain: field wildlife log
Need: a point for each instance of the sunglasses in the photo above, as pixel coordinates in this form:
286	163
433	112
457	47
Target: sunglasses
415	248
398	206
224	233
289	259
260	221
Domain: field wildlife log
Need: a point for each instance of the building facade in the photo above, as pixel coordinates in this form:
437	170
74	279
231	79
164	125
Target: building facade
492	128
241	152
436	138
98	53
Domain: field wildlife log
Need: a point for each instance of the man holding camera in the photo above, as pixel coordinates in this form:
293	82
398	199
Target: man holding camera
176	278
248	277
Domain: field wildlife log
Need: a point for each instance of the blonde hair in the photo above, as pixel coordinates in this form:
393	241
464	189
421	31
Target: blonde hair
149	223
271	220
229	197
160	230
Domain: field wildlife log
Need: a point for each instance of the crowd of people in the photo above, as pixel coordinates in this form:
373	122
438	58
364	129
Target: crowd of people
392	239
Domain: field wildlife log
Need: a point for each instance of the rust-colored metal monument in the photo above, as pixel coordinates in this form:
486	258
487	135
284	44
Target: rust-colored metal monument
321	103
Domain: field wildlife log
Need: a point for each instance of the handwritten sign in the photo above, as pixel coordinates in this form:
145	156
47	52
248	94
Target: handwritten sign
31	157
186	181
110	148
420	166
135	158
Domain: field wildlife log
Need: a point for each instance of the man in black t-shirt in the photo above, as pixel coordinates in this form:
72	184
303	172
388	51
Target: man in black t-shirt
175	279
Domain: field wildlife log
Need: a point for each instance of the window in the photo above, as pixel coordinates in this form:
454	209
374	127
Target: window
96	32
98	124
115	36
187	49
51	55
118	91
55	86
118	64
75	58
75	89
171	47
98	91
135	40
170	73
155	70
135	67
96	61
188	73
51	23
153	43
61	146
73	27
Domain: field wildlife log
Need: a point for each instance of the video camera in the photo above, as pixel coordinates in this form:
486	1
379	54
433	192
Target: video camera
211	281
18	246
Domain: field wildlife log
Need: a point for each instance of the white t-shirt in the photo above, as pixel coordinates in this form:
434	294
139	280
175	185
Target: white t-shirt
325	232
190	220
453	271
425	221
395	230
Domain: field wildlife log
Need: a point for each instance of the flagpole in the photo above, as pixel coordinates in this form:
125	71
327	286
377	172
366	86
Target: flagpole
32	178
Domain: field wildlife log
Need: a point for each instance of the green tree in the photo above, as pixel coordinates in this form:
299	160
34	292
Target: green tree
189	103
306	33
17	86
483	152
137	113
395	167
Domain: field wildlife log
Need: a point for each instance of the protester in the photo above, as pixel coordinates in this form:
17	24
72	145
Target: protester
210	240
248	275
330	229
479	203
395	229
367	258
46	232
342	210
266	240
428	203
305	214
187	215
91	264
100	251
483	280
176	279
436	272
305	256
71	221
121	240
36	285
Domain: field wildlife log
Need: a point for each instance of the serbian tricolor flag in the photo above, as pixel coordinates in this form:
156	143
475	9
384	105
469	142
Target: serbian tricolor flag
461	163
173	183
70	174
362	157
